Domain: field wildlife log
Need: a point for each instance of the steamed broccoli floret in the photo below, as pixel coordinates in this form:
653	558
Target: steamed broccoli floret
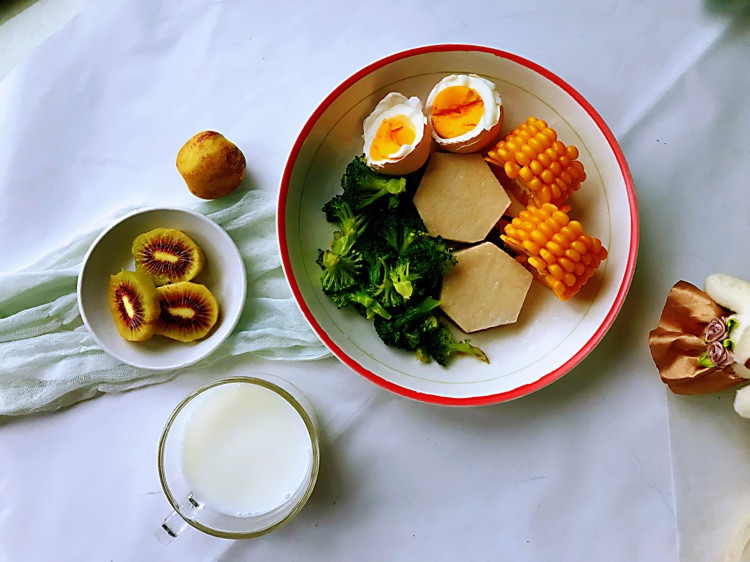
333	207
402	279
365	186
381	285
374	247
422	332
399	232
442	345
339	271
341	263
428	258
404	330
363	302
351	225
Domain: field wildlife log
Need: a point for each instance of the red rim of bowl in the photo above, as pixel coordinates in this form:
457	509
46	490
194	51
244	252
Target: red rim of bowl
523	390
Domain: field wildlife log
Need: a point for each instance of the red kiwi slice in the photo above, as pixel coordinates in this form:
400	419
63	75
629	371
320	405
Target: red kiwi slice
134	303
188	311
167	255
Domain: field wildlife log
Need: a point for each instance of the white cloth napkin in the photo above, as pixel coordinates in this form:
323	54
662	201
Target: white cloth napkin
49	360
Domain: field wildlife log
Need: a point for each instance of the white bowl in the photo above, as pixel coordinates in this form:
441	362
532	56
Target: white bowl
223	274
551	337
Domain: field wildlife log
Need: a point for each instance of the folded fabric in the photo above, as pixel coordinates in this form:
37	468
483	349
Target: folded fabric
678	343
49	360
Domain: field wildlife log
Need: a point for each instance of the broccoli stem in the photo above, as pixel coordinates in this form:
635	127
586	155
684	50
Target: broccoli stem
372	307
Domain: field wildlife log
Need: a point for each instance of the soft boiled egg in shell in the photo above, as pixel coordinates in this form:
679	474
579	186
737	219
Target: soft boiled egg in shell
465	112
397	140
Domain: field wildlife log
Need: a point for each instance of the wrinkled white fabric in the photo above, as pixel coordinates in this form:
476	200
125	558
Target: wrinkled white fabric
48	359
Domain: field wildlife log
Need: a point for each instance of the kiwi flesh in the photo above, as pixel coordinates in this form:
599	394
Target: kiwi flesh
167	255
134	303
188	311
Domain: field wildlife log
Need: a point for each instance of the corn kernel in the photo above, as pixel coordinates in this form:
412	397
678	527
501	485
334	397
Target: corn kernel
547	256
579	247
543	140
576	227
567	265
555	248
531	246
537	263
536	146
556	271
560	240
547	229
538	236
560	185
523	157
560	218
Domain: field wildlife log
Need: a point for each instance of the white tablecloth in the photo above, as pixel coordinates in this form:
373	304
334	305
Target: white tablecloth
581	470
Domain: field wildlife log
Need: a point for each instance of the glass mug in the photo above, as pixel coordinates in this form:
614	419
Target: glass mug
238	458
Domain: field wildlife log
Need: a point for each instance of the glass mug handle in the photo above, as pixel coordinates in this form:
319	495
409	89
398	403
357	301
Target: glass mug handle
174	524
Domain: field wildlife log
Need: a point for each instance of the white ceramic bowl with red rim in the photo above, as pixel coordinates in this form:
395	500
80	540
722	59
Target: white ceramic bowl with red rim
223	274
550	337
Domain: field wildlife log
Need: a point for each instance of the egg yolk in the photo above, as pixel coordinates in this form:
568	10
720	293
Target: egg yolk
393	133
456	110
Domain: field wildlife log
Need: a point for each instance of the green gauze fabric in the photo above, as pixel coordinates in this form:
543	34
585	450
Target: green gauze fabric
49	360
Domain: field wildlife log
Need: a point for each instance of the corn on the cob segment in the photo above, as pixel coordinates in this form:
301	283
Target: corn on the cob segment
542	168
554	248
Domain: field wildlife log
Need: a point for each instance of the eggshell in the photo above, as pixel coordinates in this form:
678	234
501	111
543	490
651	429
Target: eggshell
409	163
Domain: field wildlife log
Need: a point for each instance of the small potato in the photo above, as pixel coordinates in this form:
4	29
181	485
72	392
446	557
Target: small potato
211	165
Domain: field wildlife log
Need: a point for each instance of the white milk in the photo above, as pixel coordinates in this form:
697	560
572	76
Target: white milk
245	450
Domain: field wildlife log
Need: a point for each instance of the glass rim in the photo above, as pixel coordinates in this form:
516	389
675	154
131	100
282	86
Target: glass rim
311	430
